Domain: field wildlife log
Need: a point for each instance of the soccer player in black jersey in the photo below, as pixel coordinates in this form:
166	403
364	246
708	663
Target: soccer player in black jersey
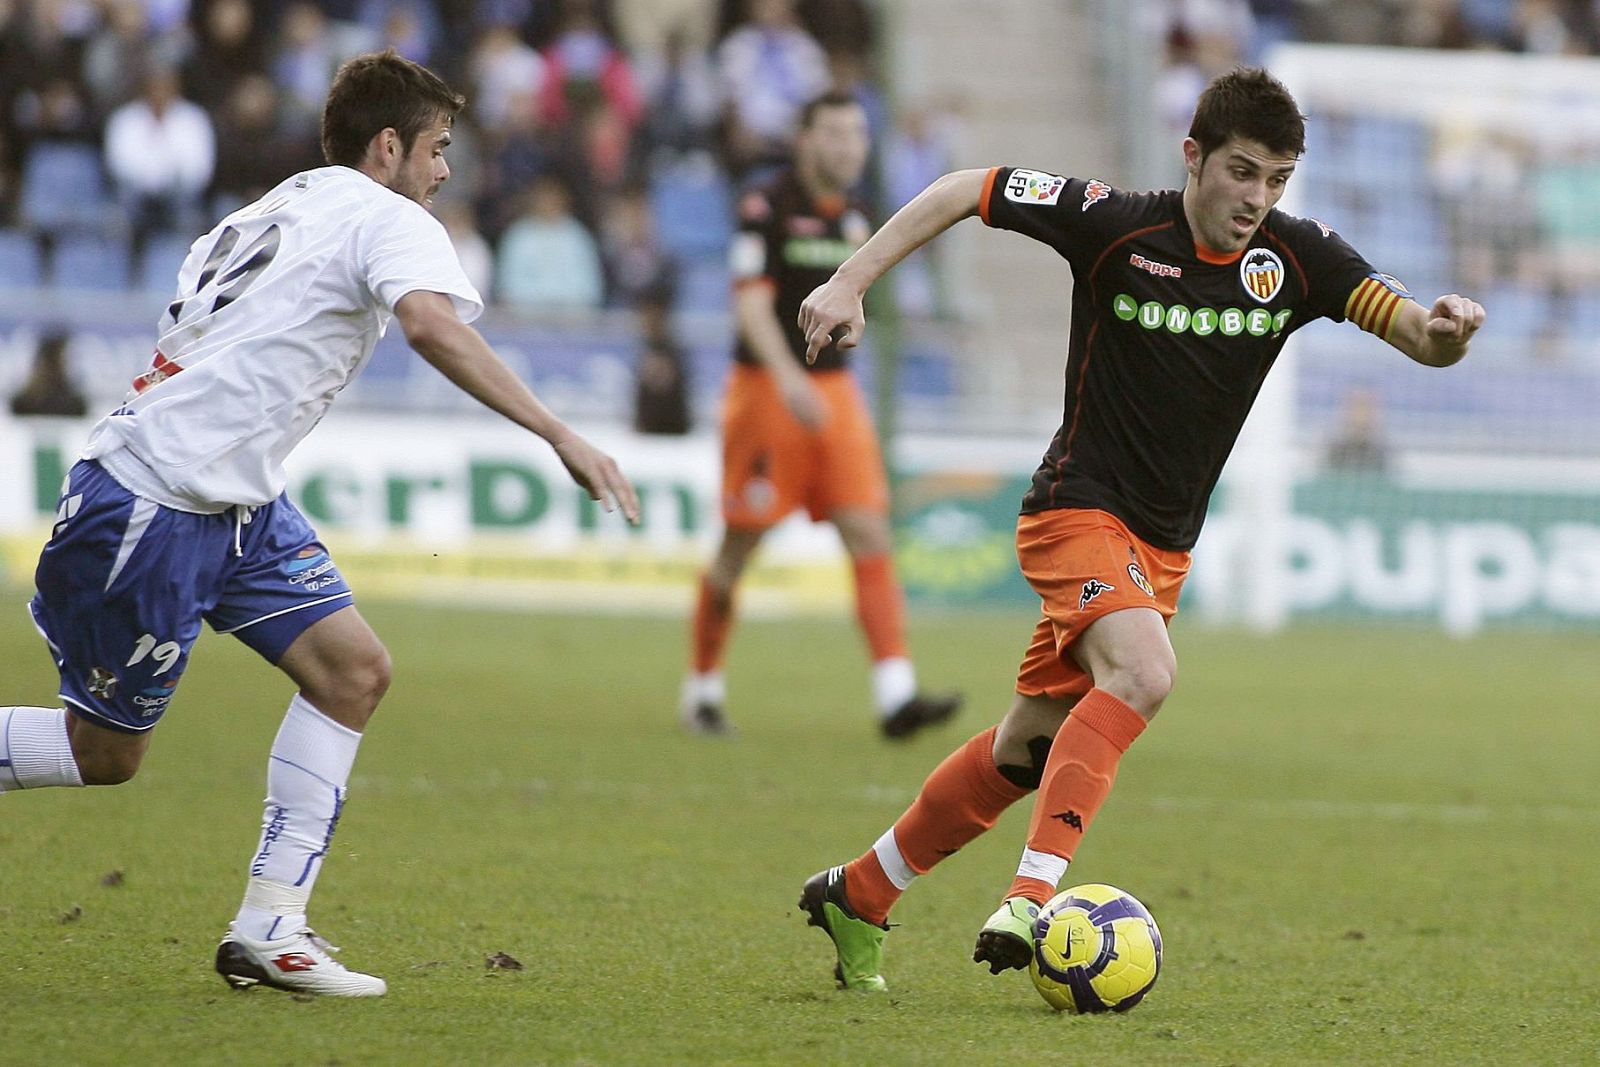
1180	303
797	433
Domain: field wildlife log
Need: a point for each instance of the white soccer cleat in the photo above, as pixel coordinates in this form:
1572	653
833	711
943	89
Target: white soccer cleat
299	963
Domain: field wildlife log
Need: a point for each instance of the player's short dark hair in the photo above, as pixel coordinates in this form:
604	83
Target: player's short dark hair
828	100
376	91
1248	102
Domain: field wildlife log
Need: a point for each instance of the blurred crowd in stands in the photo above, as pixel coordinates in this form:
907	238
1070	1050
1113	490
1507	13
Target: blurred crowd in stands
129	126
604	140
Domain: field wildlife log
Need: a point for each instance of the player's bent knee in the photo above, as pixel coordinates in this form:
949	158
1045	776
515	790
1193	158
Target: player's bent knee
112	766
1028	774
367	679
1144	687
348	691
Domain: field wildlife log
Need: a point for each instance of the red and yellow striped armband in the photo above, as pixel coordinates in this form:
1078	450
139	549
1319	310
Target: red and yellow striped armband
1375	304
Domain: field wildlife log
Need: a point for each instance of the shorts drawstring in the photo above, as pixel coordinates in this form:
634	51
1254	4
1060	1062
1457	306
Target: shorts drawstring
242	514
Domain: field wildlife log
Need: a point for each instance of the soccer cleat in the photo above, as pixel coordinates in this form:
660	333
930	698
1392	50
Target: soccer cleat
299	963
700	707
857	942
705	717
918	712
1006	940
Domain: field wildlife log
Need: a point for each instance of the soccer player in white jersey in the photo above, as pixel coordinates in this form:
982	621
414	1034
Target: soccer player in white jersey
176	512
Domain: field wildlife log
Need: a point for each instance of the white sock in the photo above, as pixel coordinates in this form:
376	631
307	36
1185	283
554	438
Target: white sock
306	776
34	749
894	864
894	681
1043	866
707	688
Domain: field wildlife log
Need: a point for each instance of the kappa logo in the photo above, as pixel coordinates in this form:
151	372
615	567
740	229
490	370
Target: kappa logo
1034	187
1095	192
1137	574
1091	589
1071	818
1160	270
1261	271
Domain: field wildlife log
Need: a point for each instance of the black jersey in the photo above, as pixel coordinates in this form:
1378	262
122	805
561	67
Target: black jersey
791	241
1170	344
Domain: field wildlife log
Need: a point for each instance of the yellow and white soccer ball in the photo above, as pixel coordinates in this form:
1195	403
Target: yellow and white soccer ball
1095	948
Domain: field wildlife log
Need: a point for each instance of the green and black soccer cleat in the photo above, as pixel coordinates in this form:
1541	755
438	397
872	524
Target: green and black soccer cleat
858	943
1006	941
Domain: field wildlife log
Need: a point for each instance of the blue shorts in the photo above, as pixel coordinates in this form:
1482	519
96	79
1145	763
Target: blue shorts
124	582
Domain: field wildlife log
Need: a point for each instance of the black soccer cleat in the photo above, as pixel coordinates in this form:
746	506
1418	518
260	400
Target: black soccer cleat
919	712
705	717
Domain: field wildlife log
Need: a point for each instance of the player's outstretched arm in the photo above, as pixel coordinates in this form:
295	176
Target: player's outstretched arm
461	354
836	304
1437	336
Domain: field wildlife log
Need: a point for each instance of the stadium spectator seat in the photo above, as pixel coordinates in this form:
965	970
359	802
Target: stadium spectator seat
158	272
90	263
20	264
704	286
693	209
63	188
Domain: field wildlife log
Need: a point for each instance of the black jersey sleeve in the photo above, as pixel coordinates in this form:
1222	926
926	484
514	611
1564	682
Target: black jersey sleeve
751	254
1075	216
1333	269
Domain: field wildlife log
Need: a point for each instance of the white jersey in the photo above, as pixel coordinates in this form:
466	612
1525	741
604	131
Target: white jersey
278	309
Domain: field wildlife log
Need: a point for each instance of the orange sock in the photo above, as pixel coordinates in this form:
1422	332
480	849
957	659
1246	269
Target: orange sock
880	606
1077	778
960	800
713	617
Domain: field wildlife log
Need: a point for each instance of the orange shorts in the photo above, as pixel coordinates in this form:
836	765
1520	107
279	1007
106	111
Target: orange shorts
1085	564
771	464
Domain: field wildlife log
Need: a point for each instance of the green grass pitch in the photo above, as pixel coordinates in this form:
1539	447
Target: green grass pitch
1363	847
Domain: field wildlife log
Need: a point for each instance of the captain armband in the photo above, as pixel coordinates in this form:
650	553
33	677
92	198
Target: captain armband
1374	304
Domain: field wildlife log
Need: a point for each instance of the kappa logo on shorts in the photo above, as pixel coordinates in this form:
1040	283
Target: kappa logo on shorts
1091	589
102	683
1137	574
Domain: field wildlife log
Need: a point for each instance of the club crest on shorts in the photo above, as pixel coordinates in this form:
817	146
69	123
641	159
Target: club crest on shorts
102	683
758	495
1091	589
1137	574
1262	273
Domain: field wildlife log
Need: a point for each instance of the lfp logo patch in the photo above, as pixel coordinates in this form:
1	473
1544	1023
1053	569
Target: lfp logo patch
1262	273
1034	187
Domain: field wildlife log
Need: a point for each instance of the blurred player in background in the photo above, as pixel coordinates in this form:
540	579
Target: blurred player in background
1181	301
176	511
798	434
